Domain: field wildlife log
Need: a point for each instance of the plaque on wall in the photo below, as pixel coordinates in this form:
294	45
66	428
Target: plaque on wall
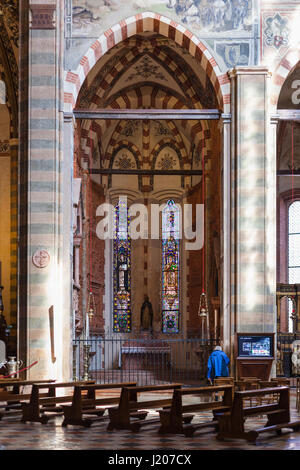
41	258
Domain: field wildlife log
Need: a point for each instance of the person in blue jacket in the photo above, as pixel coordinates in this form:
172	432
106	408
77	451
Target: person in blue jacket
217	365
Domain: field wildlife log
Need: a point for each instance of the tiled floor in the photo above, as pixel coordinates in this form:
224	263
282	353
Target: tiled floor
17	436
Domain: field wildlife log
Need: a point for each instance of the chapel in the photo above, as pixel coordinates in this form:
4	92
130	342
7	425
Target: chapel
149	189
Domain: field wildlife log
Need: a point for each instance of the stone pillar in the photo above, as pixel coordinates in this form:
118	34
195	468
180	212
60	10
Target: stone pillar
226	230
68	327
49	195
14	148
253	204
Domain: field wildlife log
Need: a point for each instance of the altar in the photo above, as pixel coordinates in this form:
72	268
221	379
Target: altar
146	355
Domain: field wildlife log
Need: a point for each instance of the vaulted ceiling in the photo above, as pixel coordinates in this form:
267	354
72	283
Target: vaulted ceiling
146	71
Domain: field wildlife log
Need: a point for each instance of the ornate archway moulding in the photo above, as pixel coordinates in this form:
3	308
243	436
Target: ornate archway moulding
147	21
41	258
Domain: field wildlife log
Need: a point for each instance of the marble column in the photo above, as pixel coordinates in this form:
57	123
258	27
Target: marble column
226	226
253	203
49	204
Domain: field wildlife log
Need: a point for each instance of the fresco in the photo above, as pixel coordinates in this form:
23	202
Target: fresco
233	22
233	54
91	17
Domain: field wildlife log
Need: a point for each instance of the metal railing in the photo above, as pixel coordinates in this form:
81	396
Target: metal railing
146	361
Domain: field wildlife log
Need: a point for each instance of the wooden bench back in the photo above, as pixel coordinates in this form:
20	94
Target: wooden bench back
178	407
41	385
129	396
282	381
105	386
36	397
92	388
240	411
21	383
158	388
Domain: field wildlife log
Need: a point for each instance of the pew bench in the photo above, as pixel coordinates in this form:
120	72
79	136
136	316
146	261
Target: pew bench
86	404
41	402
131	412
173	420
10	400
231	424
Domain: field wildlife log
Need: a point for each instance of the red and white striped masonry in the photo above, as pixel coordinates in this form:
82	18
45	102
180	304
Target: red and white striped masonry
147	21
286	64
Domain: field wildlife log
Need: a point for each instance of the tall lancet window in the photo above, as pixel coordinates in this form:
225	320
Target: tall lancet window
122	271
293	251
171	222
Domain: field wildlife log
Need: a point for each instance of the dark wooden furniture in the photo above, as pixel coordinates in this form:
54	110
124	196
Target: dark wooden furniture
224	381
248	383
231	423
11	399
40	403
254	366
121	417
282	381
85	402
175	419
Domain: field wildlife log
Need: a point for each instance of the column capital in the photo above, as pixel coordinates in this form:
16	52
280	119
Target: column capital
69	118
245	70
42	16
274	119
226	118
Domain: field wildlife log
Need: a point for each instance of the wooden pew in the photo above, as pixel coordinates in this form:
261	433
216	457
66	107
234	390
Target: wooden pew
172	420
87	404
40	403
224	381
231	423
121	416
248	383
282	381
11	399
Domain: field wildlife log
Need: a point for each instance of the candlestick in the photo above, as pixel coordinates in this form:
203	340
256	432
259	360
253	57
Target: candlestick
87	326
216	323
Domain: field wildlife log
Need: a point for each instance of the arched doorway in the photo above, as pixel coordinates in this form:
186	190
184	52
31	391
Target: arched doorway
167	159
288	242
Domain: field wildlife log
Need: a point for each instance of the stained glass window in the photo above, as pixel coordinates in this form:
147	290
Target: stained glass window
170	268
293	251
122	270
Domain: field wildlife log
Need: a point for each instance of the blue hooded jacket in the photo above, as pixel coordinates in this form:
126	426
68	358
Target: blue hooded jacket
217	365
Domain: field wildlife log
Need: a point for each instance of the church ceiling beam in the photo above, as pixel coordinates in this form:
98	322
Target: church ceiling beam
288	173
113	171
183	114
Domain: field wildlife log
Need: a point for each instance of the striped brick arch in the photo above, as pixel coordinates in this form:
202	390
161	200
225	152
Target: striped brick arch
286	65
139	23
138	48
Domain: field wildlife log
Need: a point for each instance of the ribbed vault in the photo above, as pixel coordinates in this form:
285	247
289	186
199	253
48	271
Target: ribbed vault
146	71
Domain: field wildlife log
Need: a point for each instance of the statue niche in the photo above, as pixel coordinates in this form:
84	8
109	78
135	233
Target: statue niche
146	315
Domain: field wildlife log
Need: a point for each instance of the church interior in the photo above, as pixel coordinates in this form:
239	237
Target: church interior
150	219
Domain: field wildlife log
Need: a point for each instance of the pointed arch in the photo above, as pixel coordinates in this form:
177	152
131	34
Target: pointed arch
285	66
147	21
